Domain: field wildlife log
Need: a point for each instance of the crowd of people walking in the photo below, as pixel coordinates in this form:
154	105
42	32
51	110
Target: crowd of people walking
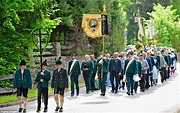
123	70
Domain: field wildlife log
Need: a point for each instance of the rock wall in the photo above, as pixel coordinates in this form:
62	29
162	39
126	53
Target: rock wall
52	65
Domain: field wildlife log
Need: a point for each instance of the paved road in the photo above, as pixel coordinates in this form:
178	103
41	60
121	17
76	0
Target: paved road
163	98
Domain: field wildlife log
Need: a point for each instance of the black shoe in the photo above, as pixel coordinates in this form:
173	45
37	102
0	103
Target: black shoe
45	110
24	111
87	92
128	93
102	94
131	93
112	91
20	109
72	95
57	108
61	109
38	110
116	91
136	92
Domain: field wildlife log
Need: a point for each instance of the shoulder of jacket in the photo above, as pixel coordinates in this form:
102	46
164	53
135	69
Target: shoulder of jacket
48	71
63	69
18	70
55	70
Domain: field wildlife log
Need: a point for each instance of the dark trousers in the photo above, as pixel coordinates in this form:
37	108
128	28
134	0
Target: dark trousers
165	74
116	76
135	86
92	81
151	79
87	81
74	80
142	82
147	80
130	83
168	72
162	70
102	82
44	92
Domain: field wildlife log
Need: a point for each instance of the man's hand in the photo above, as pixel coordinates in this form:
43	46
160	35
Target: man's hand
52	89
42	73
15	88
41	80
66	89
85	69
119	73
141	76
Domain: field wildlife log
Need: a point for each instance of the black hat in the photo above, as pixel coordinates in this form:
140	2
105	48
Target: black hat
44	63
162	51
58	62
22	62
73	54
130	52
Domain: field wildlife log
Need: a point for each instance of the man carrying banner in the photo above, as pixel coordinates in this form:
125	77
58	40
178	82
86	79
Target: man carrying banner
102	64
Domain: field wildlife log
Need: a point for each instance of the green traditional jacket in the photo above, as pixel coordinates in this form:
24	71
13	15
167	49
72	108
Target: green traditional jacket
87	64
139	68
59	79
95	68
167	59
105	65
76	69
24	80
133	67
46	77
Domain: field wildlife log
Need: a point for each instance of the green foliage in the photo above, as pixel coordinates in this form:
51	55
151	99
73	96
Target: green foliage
18	19
72	34
166	25
136	7
6	84
117	25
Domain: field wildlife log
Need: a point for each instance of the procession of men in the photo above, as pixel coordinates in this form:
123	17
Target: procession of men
122	71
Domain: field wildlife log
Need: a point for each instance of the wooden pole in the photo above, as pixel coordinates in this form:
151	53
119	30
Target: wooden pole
102	57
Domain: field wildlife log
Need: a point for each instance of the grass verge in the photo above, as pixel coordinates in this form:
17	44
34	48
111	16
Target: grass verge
31	94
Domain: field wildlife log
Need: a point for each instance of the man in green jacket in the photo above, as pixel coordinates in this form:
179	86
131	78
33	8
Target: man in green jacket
87	67
92	82
22	83
42	79
102	65
74	70
131	69
59	84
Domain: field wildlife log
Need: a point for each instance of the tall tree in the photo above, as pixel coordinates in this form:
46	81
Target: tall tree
167	25
18	19
144	7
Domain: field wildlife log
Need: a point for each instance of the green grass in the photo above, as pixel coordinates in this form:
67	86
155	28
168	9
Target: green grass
11	98
31	94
